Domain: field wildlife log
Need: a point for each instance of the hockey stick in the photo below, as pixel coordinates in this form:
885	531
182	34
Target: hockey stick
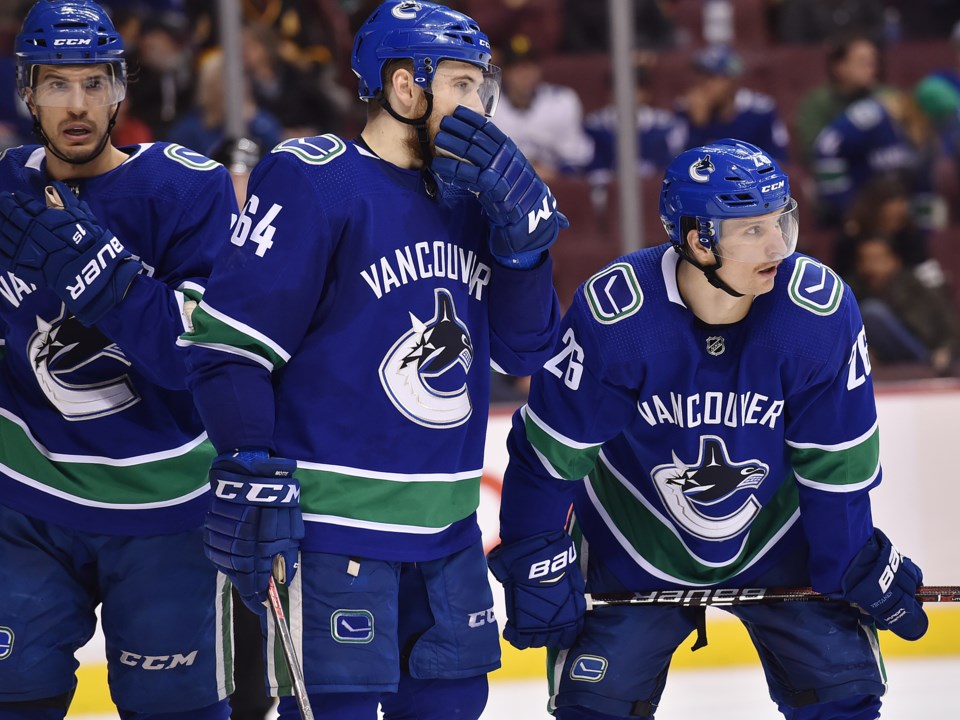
721	597
286	639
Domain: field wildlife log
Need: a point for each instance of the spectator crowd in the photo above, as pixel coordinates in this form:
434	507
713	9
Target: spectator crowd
873	148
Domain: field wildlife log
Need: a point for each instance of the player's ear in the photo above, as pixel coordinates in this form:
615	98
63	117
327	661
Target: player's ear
405	91
698	250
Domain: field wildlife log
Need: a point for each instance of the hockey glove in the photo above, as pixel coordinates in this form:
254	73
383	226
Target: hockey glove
522	210
254	515
543	590
883	583
66	251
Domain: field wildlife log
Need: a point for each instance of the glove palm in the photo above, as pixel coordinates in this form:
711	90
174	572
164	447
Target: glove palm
521	208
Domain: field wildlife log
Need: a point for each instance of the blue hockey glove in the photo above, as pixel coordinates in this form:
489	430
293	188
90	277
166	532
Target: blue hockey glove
543	589
520	206
254	515
66	251
883	583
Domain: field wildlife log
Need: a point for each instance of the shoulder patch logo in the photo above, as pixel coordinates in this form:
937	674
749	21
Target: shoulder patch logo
189	158
815	287
614	293
313	150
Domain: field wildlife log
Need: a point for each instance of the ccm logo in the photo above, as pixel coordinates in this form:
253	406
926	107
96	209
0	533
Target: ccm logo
484	617
258	492
774	186
71	41
157	662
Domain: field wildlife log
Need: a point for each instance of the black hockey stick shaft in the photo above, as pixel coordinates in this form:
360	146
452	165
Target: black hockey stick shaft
286	639
722	597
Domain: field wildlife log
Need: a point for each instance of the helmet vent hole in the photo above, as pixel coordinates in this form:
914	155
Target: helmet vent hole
765	170
734	178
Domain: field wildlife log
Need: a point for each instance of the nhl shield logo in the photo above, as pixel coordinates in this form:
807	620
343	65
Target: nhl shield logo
715	345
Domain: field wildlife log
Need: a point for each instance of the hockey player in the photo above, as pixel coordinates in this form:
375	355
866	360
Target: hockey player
349	337
714	396
102	454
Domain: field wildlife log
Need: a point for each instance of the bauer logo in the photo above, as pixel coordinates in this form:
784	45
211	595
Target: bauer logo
6	642
588	668
352	626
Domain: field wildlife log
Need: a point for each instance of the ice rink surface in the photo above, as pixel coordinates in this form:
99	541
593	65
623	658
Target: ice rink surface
921	689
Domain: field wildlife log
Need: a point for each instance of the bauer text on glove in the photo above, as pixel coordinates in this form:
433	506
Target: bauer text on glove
543	589
65	250
883	583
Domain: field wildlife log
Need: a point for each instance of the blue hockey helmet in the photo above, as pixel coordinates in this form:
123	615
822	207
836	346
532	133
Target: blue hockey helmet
706	187
426	33
69	32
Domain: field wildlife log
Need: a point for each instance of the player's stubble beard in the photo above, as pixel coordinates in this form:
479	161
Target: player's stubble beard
77	157
433	126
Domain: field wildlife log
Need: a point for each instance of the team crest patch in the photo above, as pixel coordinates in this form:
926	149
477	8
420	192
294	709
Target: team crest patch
815	287
61	351
193	160
713	496
313	150
352	626
614	293
588	668
715	345
6	642
424	373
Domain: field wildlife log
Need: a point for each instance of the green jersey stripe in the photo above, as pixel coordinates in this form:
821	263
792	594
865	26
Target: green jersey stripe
844	470
656	545
212	328
422	506
143	482
559	454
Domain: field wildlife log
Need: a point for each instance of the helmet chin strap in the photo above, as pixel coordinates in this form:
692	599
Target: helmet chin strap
423	136
38	130
710	271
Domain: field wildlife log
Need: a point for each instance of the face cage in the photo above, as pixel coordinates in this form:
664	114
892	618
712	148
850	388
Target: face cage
116	92
758	239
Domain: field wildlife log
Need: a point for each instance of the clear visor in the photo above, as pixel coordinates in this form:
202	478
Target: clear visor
471	86
95	90
759	239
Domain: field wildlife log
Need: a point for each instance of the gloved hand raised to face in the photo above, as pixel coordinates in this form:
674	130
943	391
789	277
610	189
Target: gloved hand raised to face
65	250
883	583
254	515
543	589
521	208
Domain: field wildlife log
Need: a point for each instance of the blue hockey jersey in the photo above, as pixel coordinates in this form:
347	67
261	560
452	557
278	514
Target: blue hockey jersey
97	429
706	452
352	328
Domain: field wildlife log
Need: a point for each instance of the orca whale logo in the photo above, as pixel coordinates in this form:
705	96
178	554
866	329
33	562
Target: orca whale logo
76	368
711	498
700	170
419	365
